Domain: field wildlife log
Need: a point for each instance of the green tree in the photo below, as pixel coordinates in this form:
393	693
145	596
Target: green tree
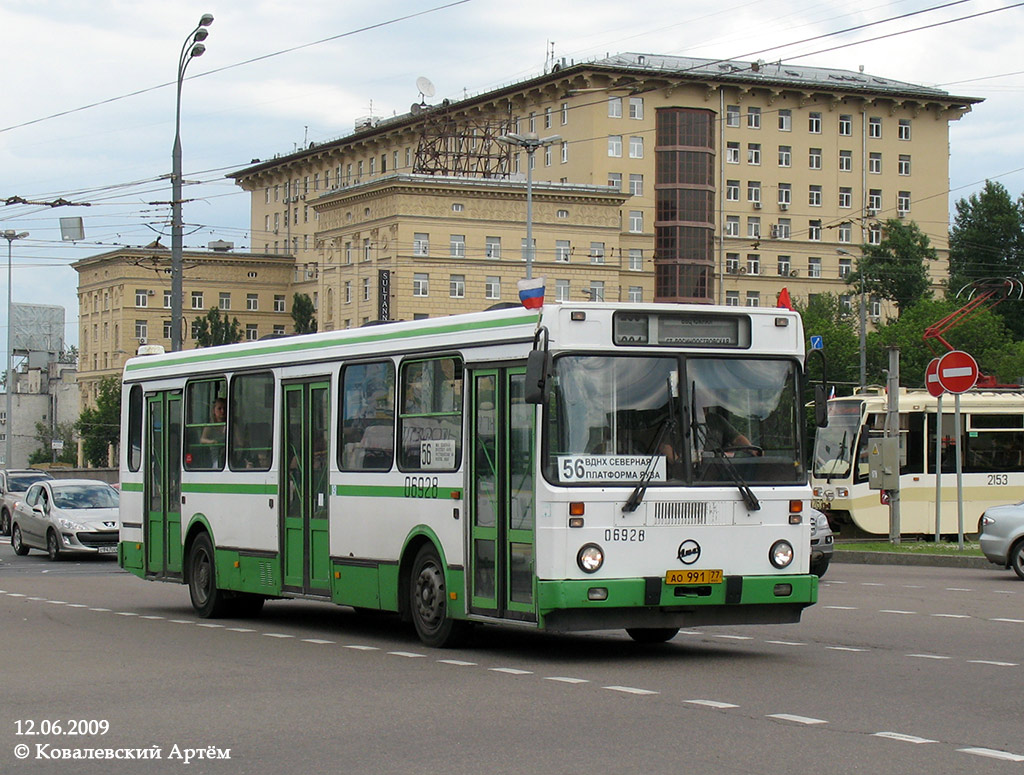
99	426
895	269
824	316
45	435
303	314
212	330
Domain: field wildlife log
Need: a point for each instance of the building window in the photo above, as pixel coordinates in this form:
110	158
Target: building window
753	118
814	123
846	161
814	231
753	227
562	250
875	199
875	163
845	267
875	234
636	221
615	180
565	113
785	120
278	303
785	194
846	125
615	107
565	151
636	107
636	294
814	159
783	266
732	115
197	300
904	129
783	229
903	167
457	245
597	252
522	248
753	263
141	330
636	147
279	330
845	197
785	156
252	302
493	247
875	127
814	196
457	286
753	299
753	190
732	226
753	153
732	191
561	290
615	145
814	267
903	202
420	284
252	332
367	249
348	292
636	185
732	153
732	263
348	252
421	245
167	329
846	232
141	298
732	298
596	292
492	288
636	259
224	301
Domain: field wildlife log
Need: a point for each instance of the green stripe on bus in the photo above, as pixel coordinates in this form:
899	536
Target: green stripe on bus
131	486
230	489
272	349
387	491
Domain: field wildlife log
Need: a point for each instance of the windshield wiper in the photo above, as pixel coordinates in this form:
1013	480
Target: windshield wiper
751	501
636	497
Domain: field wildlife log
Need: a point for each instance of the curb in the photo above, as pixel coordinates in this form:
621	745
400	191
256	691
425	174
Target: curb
895	558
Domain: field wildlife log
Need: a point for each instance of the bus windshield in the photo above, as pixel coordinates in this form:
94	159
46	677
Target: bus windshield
695	421
835	444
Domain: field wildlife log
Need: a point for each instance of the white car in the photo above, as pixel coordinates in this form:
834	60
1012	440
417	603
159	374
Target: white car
62	516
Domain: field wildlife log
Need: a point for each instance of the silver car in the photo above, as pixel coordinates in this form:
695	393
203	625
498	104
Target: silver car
822	543
1002	536
66	516
13	485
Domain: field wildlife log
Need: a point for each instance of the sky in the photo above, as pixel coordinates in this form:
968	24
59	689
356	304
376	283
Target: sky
87	113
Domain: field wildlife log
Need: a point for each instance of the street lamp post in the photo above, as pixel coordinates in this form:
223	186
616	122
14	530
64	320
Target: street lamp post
863	324
10	235
530	143
192	48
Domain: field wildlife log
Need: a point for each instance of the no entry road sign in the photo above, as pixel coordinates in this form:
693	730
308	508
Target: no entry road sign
957	371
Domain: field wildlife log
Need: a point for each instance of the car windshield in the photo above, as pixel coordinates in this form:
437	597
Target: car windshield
21	482
85	496
834	445
623	419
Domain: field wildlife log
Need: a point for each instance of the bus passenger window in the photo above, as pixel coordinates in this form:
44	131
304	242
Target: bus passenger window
205	424
135	428
252	422
367	417
430	419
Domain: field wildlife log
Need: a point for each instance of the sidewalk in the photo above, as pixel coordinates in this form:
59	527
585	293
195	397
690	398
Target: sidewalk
897	558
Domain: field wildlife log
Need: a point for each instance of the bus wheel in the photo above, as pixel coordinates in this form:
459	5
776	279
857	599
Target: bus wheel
209	602
652	634
1017	559
428	602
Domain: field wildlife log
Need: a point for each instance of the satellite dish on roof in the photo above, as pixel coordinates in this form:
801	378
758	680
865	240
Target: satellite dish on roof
425	86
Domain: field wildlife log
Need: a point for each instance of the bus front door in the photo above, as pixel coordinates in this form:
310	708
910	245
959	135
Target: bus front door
501	562
162	531
305	537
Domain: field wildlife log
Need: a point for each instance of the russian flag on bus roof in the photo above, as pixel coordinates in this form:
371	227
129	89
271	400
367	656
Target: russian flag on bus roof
531	292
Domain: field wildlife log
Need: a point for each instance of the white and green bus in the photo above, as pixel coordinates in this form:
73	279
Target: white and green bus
579	467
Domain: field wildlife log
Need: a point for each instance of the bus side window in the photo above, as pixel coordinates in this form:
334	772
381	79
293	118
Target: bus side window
135	428
430	418
205	424
367	417
251	436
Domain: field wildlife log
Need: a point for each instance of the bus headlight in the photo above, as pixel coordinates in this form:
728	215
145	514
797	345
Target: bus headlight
781	554
590	558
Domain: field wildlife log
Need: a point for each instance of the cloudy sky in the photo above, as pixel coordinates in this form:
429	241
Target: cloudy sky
88	99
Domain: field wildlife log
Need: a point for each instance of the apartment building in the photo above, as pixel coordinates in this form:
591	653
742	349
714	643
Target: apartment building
124	300
662	178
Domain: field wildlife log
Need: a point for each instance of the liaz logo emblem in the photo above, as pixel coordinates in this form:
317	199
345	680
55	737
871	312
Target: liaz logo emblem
689	552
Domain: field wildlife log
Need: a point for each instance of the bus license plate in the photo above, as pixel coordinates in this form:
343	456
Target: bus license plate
694	577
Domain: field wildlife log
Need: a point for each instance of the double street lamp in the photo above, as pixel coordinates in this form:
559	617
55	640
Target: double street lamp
10	235
530	143
192	48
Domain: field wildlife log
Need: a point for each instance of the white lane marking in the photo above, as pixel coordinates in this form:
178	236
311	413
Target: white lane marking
991	662
734	637
871	584
210	625
107	610
913	586
318	641
174	621
406	654
628	690
77	605
457	662
958	589
362	648
510	671
127	613
1011	621
842	607
712	704
927	656
894	611
904	738
785	643
15	594
844	648
1006	591
238	629
951	616
152	616
56	602
566	680
797	719
278	635
1004	755
690	632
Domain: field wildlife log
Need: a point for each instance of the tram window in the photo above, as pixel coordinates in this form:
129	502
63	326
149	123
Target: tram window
205	424
993	451
367	417
135	428
252	422
430	419
912	442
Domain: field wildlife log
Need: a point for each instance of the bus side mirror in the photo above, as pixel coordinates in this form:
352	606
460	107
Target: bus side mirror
536	376
820	406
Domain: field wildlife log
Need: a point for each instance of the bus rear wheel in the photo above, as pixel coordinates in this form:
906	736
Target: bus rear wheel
428	602
652	634
208	601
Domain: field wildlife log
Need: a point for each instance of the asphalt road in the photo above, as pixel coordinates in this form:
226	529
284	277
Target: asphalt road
896	670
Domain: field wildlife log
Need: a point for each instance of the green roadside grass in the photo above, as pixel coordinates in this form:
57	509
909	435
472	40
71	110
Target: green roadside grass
947	548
